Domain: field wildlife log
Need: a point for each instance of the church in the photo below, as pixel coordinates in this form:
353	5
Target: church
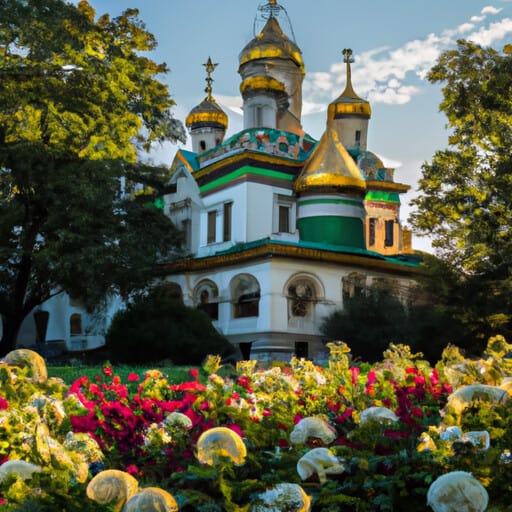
281	228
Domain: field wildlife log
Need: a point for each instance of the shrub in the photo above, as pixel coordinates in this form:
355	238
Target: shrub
158	327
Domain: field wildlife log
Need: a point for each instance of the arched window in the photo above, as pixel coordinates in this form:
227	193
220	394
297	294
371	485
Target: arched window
75	324
206	296
245	293
301	295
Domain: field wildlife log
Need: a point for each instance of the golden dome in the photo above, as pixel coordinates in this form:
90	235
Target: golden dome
348	103
207	113
330	167
271	43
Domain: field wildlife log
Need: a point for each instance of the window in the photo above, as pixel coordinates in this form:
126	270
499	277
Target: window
258	116
284	219
300	295
284	214
210	308
212	227
372	225
75	324
358	138
245	292
186	226
202	145
389	231
227	221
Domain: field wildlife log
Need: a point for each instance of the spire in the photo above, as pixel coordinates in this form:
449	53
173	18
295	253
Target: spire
207	122
348	59
210	68
348	103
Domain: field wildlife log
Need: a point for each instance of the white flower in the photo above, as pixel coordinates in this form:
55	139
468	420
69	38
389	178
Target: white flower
178	419
314	426
283	496
380	414
320	461
21	467
461	398
457	491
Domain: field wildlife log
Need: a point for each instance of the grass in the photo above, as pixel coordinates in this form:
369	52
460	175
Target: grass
174	374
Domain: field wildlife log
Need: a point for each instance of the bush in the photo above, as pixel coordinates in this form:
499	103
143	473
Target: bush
158	327
371	321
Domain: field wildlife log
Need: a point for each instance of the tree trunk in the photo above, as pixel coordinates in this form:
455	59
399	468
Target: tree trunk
11	327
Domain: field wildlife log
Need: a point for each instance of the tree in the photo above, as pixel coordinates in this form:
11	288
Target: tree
167	329
372	320
80	105
464	202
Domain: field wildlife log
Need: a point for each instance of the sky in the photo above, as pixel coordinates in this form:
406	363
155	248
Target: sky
394	43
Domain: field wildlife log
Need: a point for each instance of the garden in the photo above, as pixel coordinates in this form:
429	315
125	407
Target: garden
397	435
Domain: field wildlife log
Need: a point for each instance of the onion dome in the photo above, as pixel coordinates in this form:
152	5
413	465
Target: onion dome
271	43
349	104
330	168
207	113
370	165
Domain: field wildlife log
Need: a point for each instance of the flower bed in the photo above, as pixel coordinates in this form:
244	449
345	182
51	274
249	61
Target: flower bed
348	436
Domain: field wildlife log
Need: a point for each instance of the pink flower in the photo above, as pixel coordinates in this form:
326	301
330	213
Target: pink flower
355	371
132	469
133	377
107	371
4	404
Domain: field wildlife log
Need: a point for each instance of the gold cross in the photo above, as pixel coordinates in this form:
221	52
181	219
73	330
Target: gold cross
210	68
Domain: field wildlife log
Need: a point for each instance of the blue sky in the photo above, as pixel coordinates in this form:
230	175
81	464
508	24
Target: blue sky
395	42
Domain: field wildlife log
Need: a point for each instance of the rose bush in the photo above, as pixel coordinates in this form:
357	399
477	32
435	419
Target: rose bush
353	436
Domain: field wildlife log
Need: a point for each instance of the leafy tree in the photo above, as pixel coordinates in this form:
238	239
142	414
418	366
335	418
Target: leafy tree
372	320
464	202
80	105
159	326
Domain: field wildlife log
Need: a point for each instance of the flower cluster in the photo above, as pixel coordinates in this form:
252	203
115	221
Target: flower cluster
354	436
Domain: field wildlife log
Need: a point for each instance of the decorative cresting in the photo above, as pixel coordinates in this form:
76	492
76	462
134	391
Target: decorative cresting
272	71
348	103
331	190
271	42
207	113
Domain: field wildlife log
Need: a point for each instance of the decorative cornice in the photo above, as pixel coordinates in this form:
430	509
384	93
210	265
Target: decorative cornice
272	250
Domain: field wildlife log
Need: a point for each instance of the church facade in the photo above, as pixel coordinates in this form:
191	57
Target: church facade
281	228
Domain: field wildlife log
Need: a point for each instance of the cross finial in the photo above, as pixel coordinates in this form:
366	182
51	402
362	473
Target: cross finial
348	59
210	68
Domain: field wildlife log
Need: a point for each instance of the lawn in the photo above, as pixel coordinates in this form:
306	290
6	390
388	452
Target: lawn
173	374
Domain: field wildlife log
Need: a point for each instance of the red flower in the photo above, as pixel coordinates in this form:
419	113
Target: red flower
4	404
194	373
133	377
107	370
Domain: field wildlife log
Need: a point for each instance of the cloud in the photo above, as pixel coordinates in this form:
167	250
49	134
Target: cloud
395	75
495	32
490	10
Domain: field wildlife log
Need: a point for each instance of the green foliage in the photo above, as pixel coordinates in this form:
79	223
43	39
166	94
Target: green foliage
79	103
158	327
369	322
464	201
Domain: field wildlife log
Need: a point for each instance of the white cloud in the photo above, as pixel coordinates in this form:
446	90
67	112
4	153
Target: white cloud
465	27
486	36
233	103
490	10
390	75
